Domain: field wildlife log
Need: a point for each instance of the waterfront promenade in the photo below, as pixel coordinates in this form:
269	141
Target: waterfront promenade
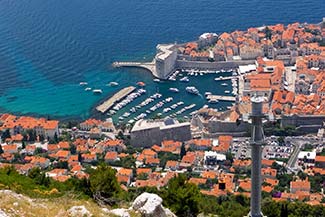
106	105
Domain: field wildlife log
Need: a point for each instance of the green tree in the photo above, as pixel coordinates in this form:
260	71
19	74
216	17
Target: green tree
104	184
73	149
1	150
38	150
183	151
41	138
55	138
268	33
128	162
39	177
62	165
5	135
181	197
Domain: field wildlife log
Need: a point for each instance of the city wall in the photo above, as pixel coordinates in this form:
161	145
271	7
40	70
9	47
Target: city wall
308	123
186	64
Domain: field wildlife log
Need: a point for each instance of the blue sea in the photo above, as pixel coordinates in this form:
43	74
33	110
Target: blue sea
48	47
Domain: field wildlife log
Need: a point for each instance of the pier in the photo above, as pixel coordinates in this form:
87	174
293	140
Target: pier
151	66
222	98
226	78
106	105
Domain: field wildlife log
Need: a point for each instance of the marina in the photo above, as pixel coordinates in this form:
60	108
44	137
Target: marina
165	98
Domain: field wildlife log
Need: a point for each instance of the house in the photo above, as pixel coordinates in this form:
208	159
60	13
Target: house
89	124
212	158
124	176
172	165
268	172
30	149
57	172
114	145
307	156
52	148
188	160
200	144
144	171
10	148
42	127
245	184
64	145
153	162
223	144
197	181
148	153
169	146
300	185
320	161
271	181
208	174
89	158
62	154
111	156
40	162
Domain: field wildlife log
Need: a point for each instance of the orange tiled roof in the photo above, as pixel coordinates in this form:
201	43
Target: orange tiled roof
197	181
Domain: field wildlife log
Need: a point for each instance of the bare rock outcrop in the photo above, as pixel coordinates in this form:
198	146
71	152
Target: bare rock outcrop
150	205
76	211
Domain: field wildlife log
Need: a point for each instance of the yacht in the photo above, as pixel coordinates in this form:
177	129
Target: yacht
227	91
83	83
184	79
87	89
224	84
156	80
112	84
173	89
213	101
192	90
207	93
97	91
172	79
141	84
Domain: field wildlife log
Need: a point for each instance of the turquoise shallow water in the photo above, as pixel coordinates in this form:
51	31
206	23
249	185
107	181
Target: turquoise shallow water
48	47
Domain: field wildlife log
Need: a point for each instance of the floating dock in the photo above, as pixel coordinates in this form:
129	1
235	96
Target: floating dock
106	105
222	98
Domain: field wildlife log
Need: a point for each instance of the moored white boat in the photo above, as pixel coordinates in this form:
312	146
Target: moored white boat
112	84
192	90
174	89
98	91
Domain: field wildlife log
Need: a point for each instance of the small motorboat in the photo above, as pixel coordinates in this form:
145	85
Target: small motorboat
112	84
97	91
173	89
141	84
184	79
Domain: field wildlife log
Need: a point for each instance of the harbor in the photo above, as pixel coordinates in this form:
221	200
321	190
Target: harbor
155	98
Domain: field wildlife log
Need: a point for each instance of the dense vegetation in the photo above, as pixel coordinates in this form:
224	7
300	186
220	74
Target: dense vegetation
183	198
